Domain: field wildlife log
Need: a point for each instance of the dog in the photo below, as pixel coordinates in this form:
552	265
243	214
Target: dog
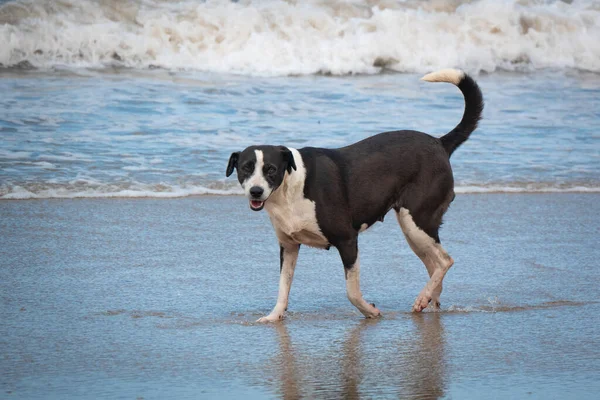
326	197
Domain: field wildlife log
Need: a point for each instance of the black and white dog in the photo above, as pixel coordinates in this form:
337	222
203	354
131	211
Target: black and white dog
326	197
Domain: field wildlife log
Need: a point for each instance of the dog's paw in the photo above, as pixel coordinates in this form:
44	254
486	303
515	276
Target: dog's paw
270	318
374	313
421	302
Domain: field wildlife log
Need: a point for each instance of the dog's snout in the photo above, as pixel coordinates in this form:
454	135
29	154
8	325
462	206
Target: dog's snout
256	191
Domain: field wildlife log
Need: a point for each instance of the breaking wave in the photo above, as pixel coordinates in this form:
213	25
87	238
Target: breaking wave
92	189
275	37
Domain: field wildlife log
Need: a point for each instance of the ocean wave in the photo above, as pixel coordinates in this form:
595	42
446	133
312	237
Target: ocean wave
275	37
94	190
528	188
84	189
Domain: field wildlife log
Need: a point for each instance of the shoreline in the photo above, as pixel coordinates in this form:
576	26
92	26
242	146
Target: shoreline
595	191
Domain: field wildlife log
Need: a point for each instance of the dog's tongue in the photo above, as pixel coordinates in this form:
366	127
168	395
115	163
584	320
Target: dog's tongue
255	203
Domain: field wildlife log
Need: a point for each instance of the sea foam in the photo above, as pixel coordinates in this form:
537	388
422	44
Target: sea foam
71	191
75	190
273	37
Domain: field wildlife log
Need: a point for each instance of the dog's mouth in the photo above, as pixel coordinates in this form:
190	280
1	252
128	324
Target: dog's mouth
257	205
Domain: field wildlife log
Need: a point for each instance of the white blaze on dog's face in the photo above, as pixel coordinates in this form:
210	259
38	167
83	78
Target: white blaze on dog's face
260	171
256	181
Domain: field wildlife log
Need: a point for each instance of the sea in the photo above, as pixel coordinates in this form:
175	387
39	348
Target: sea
148	98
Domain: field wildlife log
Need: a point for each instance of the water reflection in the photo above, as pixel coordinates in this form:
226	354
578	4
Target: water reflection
289	374
423	373
372	359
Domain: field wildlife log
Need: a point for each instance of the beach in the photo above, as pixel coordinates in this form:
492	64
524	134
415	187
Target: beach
154	298
132	267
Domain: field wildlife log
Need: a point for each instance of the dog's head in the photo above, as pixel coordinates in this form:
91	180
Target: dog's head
261	170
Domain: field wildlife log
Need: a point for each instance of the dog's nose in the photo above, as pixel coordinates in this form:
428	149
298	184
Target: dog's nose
256	191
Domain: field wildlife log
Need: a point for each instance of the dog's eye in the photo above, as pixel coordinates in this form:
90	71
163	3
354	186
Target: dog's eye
271	170
249	167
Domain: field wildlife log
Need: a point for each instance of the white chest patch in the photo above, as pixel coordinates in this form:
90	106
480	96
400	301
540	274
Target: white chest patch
293	216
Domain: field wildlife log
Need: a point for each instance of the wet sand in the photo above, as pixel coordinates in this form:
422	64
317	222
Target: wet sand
154	298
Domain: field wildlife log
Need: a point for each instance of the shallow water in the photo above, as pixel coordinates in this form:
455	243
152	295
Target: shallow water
157	298
81	133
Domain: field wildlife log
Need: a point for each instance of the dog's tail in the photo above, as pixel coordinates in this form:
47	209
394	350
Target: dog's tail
473	106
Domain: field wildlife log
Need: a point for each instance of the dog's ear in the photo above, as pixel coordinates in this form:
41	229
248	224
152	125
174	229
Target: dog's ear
289	158
232	163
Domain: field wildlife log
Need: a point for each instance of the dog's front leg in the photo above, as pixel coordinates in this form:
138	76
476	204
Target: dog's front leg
349	253
287	265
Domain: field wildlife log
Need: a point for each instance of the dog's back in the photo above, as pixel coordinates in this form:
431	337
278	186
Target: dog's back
392	170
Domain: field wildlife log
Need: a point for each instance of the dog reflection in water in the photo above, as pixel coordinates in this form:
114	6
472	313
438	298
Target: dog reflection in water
410	365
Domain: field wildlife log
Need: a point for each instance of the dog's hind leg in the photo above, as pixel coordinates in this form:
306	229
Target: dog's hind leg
349	253
427	247
288	258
